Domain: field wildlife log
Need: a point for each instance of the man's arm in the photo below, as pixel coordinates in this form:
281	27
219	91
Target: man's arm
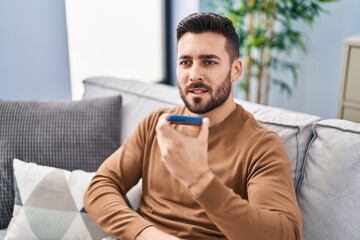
104	198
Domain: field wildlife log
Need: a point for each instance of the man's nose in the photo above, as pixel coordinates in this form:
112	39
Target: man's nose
196	73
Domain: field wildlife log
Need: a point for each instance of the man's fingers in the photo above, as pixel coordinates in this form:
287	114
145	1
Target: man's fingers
163	118
164	128
204	130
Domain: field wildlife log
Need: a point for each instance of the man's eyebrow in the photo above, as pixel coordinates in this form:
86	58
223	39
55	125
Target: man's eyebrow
209	56
202	56
184	56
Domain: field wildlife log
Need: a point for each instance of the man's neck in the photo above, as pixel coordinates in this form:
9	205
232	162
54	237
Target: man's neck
218	114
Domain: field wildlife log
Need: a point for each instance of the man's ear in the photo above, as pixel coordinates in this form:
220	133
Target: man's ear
236	70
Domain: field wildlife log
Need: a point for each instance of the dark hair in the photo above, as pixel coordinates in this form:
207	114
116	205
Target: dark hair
211	22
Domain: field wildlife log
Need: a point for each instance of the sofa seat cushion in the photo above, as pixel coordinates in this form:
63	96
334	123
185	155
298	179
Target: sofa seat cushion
294	129
64	134
328	193
139	99
49	204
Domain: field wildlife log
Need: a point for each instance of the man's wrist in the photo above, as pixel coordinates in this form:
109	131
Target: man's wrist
142	234
195	180
197	186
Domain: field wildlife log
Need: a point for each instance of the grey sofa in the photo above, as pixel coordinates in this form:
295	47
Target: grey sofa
324	154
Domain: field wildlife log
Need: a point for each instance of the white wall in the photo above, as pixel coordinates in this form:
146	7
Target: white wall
33	50
118	38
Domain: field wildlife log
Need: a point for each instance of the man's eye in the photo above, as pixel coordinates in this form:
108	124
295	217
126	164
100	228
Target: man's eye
210	62
184	62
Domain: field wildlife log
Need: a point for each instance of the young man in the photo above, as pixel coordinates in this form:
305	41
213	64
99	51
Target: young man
227	179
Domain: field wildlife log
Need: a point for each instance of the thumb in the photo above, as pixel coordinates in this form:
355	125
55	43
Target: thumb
204	130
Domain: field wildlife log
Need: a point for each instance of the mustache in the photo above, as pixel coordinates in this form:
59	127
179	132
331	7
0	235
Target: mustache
198	85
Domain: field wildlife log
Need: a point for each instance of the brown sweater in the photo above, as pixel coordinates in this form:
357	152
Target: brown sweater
251	197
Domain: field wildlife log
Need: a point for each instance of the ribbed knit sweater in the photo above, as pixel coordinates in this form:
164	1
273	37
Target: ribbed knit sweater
251	197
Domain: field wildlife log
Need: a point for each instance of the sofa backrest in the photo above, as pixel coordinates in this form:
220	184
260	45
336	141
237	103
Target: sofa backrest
294	129
139	99
328	192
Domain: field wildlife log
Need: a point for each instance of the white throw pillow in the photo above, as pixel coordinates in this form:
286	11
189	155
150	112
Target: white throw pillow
49	204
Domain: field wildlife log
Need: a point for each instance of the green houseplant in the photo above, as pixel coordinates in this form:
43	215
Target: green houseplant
267	38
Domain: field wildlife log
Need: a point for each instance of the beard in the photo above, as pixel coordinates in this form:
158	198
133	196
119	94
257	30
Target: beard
218	96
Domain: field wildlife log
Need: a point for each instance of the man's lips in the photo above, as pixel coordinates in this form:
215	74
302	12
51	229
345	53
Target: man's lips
197	90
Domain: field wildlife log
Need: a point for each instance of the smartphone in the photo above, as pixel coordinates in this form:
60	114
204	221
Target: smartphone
185	120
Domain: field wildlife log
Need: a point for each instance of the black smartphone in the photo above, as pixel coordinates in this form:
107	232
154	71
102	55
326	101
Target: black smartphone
185	120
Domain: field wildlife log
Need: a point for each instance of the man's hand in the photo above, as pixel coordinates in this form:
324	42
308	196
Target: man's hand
152	233
186	158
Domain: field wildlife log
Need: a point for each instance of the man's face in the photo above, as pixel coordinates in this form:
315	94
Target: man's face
203	71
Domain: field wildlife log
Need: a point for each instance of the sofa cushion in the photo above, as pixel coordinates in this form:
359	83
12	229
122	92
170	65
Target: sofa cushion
294	129
139	99
2	234
66	134
328	193
49	204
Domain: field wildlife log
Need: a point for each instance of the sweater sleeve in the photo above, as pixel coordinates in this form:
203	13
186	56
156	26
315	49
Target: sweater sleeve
104	198
270	211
